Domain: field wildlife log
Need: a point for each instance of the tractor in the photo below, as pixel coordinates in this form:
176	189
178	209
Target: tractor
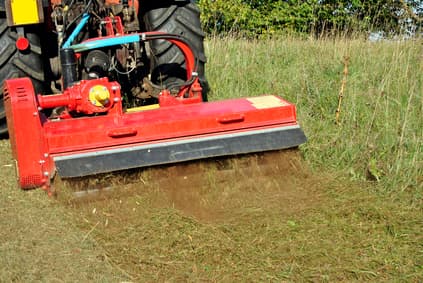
32	33
94	86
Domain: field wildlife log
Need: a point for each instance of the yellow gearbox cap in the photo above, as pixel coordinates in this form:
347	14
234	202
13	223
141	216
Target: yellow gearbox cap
99	95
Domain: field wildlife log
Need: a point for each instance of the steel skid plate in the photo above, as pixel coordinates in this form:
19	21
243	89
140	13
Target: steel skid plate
164	152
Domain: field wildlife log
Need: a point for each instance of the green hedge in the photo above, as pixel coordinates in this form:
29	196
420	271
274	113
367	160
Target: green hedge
265	17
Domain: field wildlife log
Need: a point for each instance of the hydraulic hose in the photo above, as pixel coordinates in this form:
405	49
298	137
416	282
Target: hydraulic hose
191	59
77	30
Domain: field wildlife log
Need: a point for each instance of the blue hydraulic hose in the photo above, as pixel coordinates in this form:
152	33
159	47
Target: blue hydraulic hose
81	24
105	42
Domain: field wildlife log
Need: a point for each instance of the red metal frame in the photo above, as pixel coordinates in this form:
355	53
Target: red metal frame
36	139
113	26
26	133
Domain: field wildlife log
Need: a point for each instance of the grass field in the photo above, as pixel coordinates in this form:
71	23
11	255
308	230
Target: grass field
347	207
382	110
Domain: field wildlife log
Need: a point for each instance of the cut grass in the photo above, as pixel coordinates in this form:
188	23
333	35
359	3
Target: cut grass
333	222
288	226
39	239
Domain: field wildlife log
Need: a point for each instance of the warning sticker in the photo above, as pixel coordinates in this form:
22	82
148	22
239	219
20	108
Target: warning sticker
269	101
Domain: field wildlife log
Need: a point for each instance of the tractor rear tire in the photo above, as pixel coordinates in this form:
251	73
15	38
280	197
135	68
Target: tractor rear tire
17	64
181	18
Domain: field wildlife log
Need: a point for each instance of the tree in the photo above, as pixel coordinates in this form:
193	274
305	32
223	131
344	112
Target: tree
256	17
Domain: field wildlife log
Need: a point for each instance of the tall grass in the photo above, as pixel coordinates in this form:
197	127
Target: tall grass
380	133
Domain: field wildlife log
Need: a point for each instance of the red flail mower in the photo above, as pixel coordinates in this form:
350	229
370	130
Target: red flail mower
89	128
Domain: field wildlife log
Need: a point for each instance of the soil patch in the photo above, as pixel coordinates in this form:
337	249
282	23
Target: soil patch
165	217
209	191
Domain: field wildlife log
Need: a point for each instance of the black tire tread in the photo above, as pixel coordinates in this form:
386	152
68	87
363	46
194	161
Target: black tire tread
15	64
182	18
